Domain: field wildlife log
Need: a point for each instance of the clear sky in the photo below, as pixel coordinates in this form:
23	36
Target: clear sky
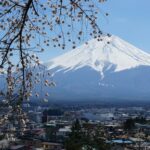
128	19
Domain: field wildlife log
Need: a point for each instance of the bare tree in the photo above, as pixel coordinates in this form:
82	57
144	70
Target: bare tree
27	27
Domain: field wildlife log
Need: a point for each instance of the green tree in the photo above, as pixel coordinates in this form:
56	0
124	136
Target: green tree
129	124
86	139
75	141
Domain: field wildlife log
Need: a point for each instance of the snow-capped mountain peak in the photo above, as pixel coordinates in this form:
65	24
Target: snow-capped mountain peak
109	52
101	70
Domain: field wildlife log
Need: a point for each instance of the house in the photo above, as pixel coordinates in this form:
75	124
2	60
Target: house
51	146
18	147
118	147
64	131
4	144
39	133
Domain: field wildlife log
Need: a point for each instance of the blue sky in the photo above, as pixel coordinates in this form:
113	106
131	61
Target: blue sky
128	19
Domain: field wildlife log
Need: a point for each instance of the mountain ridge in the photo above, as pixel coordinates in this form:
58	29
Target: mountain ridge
99	55
109	68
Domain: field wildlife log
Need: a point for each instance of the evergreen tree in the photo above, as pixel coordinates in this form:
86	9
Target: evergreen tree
86	139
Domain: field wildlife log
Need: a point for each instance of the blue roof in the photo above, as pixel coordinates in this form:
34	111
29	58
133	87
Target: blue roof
121	141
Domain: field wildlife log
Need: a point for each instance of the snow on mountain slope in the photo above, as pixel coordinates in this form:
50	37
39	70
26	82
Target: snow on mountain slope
101	56
99	70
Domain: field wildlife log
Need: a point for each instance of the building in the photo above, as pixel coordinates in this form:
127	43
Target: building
51	146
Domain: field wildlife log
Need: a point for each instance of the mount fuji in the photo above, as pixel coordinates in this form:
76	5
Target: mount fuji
109	68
